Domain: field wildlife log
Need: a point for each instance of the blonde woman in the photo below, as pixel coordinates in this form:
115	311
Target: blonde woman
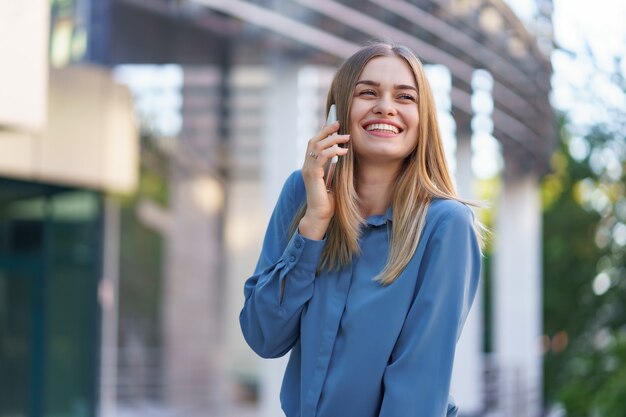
368	285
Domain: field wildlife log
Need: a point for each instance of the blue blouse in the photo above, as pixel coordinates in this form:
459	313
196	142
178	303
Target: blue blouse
360	349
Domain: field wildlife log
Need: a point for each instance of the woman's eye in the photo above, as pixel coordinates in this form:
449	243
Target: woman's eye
406	97
367	93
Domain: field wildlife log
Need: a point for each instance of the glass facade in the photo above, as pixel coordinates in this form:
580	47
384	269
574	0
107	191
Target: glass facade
50	264
68	31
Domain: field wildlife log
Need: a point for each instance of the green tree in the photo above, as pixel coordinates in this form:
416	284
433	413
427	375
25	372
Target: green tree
585	266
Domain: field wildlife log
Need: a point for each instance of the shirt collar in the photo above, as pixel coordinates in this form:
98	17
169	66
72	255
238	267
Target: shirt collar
380	219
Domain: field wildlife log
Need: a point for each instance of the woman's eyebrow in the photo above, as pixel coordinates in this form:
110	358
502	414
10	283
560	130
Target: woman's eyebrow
404	87
396	87
368	82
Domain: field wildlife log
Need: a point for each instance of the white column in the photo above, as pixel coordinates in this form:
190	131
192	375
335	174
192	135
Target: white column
517	297
193	356
192	352
280	154
293	115
279	158
108	297
467	375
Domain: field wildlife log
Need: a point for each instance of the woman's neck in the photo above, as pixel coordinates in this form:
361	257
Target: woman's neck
374	186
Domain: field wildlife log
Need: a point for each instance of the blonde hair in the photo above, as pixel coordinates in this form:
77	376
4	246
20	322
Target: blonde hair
423	176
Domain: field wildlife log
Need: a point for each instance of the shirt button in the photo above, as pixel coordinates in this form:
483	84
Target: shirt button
298	244
292	258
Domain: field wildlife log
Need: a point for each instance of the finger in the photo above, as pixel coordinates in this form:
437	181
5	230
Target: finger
328	153
331	141
325	132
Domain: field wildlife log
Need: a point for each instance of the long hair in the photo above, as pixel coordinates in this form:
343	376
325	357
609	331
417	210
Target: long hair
423	176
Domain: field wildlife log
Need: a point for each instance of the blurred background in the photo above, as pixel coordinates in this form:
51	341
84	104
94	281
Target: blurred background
143	144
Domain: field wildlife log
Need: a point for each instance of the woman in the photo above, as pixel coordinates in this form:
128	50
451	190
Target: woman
367	285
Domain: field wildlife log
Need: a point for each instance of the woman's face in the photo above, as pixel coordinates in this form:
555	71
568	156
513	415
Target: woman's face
384	116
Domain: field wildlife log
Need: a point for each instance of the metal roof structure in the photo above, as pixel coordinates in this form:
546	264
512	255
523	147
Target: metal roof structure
462	35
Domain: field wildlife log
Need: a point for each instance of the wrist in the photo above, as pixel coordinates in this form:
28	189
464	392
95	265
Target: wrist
313	228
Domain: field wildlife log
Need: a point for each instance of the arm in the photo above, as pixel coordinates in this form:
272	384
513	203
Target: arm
285	275
417	378
283	281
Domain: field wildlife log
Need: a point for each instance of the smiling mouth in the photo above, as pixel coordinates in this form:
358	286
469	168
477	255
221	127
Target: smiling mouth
383	128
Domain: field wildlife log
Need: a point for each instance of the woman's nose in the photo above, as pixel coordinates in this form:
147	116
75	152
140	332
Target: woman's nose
385	106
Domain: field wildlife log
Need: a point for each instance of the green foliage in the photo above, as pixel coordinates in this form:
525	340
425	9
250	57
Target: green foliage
486	190
142	249
585	275
140	278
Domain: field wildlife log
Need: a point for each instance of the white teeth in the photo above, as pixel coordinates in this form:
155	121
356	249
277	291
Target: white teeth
382	126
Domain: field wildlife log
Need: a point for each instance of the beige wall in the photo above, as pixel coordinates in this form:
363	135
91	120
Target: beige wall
24	70
90	139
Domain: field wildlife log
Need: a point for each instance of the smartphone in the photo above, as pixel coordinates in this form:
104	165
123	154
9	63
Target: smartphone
329	168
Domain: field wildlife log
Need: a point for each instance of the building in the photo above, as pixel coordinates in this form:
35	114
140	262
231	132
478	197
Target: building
253	77
67	140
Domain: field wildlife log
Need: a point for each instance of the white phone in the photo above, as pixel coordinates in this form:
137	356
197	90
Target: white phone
329	168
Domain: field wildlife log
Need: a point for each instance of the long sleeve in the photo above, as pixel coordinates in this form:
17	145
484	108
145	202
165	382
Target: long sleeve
417	377
283	281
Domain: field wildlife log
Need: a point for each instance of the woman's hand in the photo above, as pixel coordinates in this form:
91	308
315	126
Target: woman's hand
320	203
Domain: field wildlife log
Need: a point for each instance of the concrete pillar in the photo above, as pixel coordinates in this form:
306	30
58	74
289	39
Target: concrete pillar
280	142
279	158
193	351
468	384
517	297
467	375
191	332
293	115
245	217
108	297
